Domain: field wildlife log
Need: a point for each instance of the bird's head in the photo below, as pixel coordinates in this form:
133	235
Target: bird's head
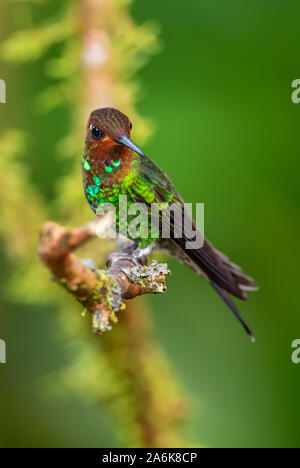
108	131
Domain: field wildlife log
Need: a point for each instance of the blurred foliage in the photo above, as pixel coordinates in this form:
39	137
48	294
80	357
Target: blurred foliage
129	42
93	376
30	45
227	134
20	219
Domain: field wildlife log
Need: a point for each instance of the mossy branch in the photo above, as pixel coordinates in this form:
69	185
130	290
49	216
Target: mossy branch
100	292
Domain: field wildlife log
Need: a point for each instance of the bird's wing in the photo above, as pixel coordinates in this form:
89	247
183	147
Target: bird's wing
153	186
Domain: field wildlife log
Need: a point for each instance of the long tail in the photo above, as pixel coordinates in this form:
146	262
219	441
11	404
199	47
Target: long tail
225	277
226	298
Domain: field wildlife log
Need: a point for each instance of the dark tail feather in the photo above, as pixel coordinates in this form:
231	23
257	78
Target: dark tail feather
225	296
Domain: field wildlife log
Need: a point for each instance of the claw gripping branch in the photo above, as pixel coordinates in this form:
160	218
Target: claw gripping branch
100	292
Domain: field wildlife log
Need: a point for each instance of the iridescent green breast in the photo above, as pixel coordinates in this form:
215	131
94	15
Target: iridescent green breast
141	181
106	186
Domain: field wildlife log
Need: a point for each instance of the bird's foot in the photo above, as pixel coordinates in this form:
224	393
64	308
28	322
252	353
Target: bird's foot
132	252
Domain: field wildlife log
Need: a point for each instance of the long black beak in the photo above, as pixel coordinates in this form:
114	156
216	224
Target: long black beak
124	140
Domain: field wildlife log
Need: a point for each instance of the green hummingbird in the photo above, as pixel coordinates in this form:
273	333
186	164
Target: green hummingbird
114	166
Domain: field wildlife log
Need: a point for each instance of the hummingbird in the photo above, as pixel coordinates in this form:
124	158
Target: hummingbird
113	165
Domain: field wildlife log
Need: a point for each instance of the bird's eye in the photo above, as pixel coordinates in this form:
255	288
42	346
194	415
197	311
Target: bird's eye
97	134
130	126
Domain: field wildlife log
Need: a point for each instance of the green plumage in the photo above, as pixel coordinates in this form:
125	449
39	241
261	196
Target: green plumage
113	166
144	183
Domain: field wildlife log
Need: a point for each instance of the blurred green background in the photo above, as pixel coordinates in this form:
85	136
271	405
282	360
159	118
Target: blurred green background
226	132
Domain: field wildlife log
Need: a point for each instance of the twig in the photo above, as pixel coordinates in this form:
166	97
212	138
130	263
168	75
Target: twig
100	292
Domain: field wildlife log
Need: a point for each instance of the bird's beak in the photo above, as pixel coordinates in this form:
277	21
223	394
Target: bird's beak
124	140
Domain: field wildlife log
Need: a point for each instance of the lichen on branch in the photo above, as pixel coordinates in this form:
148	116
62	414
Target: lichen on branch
100	292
